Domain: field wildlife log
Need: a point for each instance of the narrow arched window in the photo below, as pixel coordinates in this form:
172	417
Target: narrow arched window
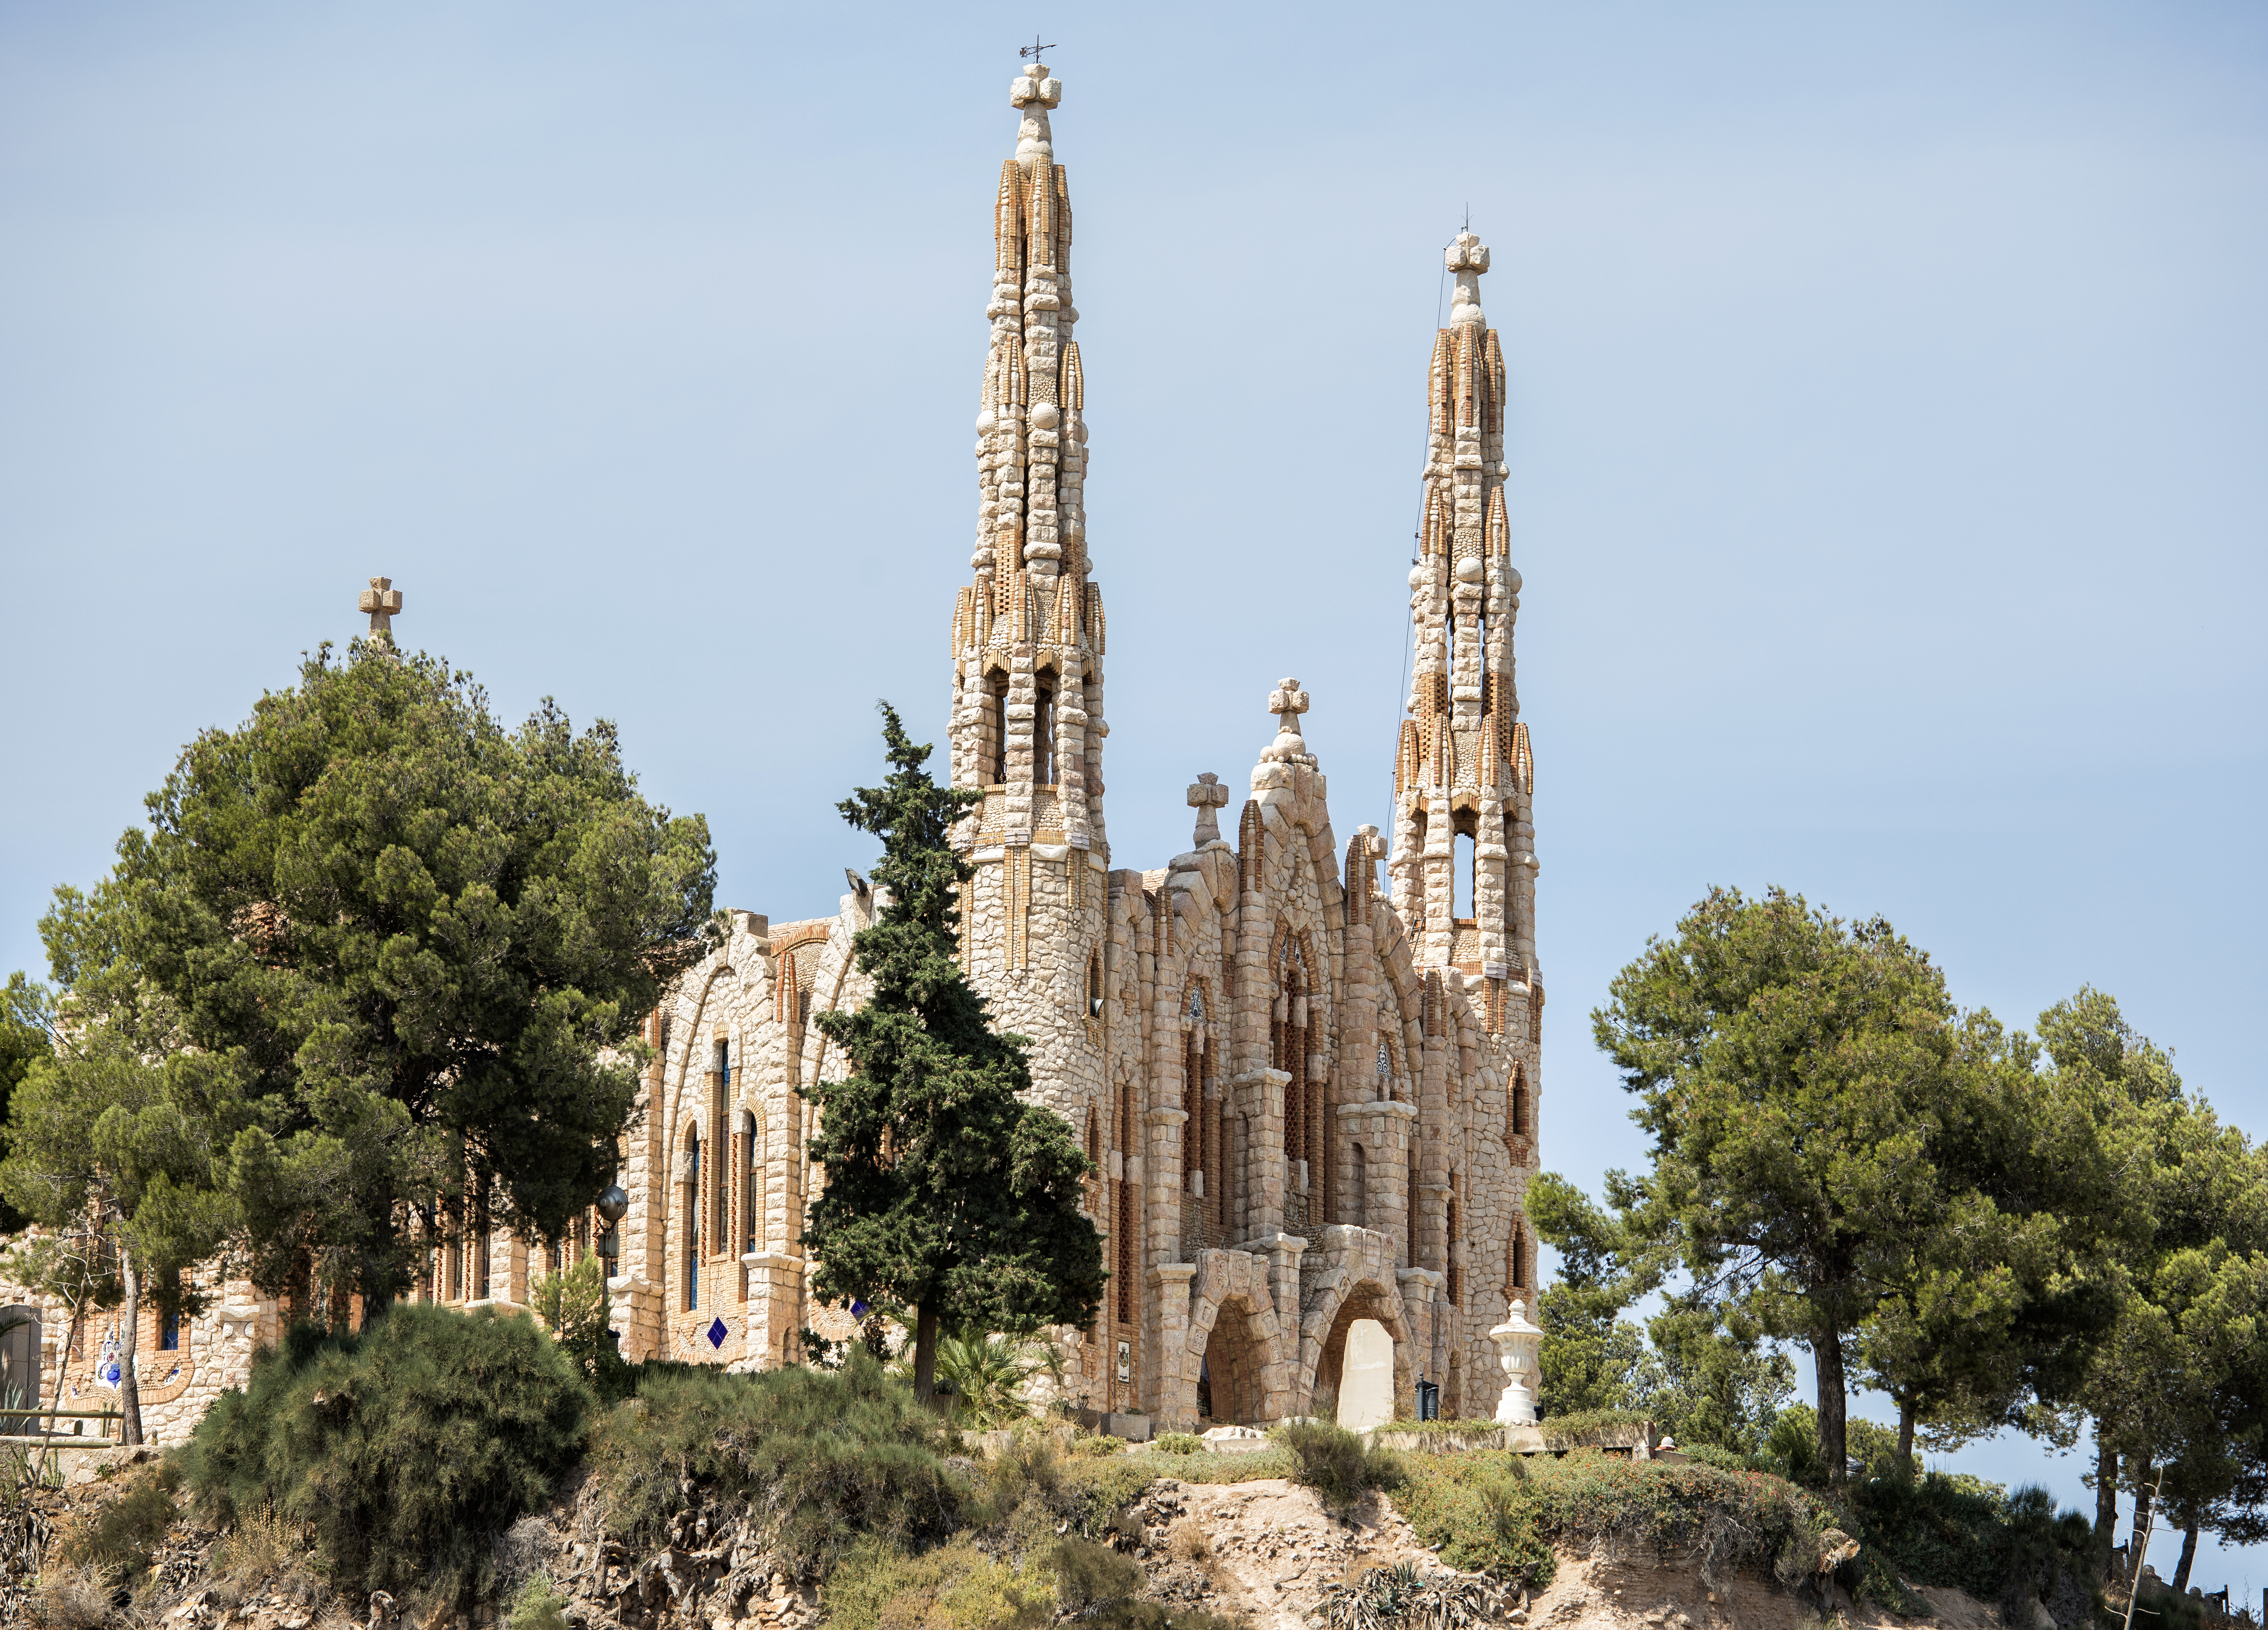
1516	1267
752	1188
1462	879
995	745
1093	984
689	1221
1453	1261
1043	729
1358	1185
1517	1120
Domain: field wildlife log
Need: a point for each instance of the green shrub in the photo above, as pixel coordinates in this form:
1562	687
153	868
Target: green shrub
1585	1427
1961	1531
1178	1444
575	1308
956	1587
1333	1462
537	1605
1792	1445
400	1452
1480	1510
822	1457
1096	1586
120	1535
1722	1459
1097	1446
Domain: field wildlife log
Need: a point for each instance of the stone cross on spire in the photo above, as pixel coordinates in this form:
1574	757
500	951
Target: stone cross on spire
383	601
1468	257
1207	797
1287	702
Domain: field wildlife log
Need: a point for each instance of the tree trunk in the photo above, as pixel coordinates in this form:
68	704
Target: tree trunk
299	1289
2137	1539
2189	1555
378	1289
925	1356
130	1387
2106	1501
1827	1358
1906	1434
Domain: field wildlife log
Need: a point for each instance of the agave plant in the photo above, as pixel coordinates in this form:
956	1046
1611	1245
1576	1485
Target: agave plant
1401	1598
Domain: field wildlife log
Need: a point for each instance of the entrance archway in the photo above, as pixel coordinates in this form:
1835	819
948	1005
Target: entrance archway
1371	1303
1367	1388
1228	1369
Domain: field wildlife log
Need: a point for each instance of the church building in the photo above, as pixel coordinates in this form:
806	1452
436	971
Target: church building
1311	1093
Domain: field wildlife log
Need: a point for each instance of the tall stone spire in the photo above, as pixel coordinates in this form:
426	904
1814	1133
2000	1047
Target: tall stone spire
1464	769
1027	633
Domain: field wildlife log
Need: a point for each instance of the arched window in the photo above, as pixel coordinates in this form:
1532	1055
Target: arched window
1516	1123
1358	1201
1516	1267
720	1180
1461	880
1124	1229
1454	1254
752	1187
993	749
1044	728
689	1215
1410	1212
1094	985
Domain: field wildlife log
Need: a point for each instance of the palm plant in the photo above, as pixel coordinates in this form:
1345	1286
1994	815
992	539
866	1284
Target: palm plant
985	1377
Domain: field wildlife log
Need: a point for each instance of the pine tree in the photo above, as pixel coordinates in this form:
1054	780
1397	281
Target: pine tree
945	1192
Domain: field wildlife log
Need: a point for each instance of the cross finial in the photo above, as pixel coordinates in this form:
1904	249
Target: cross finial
1208	797
383	601
1287	702
1031	53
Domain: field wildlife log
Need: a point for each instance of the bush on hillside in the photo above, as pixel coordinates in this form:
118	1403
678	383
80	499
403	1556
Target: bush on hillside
1333	1462
400	1452
575	1308
1097	1587
2004	1548
821	1458
121	1535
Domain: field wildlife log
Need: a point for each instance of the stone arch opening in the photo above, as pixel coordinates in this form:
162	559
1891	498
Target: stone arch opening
1228	1367
1368	1300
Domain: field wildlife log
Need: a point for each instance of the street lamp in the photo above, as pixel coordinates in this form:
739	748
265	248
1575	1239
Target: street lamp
613	1207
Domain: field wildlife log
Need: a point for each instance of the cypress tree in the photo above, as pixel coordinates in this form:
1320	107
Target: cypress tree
945	1192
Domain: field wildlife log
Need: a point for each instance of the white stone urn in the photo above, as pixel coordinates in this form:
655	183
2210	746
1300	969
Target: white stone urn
1516	1343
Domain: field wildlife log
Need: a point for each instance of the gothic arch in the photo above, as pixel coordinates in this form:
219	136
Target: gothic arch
1359	1284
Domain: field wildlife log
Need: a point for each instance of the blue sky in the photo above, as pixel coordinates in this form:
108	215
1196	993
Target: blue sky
1889	389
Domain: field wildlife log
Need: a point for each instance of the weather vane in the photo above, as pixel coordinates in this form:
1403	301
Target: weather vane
1031	53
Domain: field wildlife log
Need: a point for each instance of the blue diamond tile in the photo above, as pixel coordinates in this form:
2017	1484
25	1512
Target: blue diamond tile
717	1333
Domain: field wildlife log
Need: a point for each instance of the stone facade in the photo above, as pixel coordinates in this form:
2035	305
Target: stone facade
1310	1099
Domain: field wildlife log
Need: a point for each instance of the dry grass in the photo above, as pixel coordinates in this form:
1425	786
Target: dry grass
1186	1541
265	1552
74	1598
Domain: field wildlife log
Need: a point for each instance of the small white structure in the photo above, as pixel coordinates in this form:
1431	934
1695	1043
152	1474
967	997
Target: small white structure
1516	1344
1366	1381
